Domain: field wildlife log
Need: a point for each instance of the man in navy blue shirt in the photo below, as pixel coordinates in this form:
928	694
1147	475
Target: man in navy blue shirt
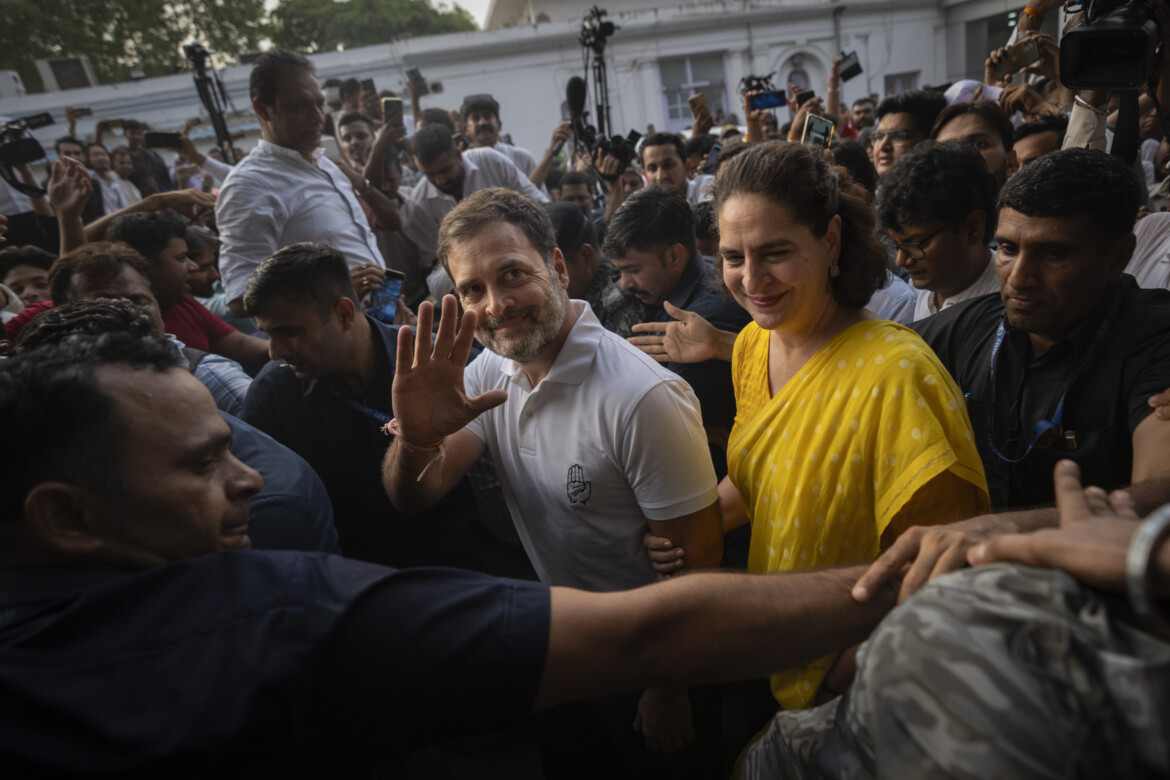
328	399
651	242
139	637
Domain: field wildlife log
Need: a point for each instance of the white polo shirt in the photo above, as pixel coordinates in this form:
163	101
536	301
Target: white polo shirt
273	198
987	282
424	210
606	441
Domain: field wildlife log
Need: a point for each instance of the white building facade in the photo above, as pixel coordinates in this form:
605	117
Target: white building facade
661	53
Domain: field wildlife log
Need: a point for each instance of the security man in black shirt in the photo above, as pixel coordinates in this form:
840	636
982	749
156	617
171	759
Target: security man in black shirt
1061	364
328	400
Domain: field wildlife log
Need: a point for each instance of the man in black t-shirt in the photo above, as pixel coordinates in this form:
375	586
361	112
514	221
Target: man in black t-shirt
1060	364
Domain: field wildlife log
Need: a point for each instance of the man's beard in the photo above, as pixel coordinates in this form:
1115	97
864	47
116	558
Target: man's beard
525	346
455	188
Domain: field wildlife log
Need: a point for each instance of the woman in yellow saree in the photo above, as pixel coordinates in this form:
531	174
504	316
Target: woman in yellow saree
848	429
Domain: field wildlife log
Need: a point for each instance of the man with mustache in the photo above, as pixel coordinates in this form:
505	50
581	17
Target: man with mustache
592	440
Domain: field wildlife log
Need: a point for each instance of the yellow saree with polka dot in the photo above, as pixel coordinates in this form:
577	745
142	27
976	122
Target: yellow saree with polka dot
872	433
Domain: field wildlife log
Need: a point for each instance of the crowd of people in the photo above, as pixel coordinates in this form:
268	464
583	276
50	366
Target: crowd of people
424	459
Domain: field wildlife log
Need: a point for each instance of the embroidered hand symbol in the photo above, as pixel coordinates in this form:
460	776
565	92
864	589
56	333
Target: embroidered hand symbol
579	489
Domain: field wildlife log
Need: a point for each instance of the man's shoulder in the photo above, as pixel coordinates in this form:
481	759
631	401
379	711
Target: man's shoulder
625	372
486	156
250	171
275	380
969	322
1151	307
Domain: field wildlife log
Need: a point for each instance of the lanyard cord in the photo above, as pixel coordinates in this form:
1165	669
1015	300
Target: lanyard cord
358	406
1043	426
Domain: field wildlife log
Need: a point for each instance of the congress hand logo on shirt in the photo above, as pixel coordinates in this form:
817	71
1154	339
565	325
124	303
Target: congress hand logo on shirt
579	489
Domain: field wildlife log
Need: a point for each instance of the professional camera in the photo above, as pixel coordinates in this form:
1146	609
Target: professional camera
625	150
18	148
1114	47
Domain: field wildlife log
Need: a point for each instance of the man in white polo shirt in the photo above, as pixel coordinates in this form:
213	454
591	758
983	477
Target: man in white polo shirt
937	207
450	175
593	441
285	191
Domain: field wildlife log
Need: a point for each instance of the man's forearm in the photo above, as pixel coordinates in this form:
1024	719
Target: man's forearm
612	203
413	476
540	172
1147	496
95	230
384	208
702	628
72	231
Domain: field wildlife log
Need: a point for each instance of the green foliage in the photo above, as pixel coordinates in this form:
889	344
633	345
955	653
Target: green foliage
325	25
117	35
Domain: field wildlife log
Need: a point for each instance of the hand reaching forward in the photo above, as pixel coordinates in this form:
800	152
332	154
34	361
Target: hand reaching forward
190	203
1091	542
429	400
688	339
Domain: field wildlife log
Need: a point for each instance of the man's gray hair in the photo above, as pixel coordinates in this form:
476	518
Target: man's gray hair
488	207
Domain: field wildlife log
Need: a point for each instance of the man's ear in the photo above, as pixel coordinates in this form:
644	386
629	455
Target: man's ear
344	313
586	255
1119	254
559	268
61	517
262	109
677	257
974	226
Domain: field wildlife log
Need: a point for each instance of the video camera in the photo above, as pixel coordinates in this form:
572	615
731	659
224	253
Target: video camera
196	54
595	30
1114	47
18	148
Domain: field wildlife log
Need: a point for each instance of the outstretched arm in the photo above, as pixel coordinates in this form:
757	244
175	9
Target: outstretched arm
1091	543
189	203
923	553
560	135
688	338
702	628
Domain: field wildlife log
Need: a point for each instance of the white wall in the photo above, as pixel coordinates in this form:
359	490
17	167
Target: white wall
526	68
